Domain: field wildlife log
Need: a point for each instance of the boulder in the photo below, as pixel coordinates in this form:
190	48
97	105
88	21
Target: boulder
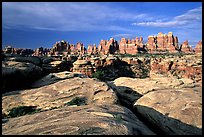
18	75
57	94
173	111
83	67
130	90
55	77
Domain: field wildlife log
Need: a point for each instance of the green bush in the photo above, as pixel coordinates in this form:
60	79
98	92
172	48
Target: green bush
118	118
76	101
145	73
22	110
98	74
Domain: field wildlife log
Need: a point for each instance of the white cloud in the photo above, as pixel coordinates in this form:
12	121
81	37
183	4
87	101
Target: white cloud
191	15
64	16
191	18
161	24
122	35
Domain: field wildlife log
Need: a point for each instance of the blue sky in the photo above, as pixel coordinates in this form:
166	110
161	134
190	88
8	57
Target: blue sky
36	24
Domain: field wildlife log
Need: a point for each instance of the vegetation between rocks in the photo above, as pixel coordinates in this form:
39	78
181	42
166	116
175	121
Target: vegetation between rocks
118	118
76	101
98	75
22	110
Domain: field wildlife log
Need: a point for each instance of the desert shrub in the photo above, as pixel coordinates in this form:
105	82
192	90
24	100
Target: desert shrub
118	118
76	101
22	110
98	74
53	108
145	73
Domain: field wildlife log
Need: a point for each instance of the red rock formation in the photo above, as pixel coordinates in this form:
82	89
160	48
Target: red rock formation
151	44
122	46
83	66
95	49
41	52
64	48
92	50
198	48
80	49
130	46
185	47
60	48
72	49
180	67
162	42
108	47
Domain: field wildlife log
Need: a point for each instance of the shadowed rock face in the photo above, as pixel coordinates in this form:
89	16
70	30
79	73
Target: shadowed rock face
19	51
18	75
99	114
57	66
34	60
41	52
108	46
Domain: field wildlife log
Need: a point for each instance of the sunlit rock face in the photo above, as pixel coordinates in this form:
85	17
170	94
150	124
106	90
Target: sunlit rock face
188	66
127	46
185	47
92	49
198	48
108	46
96	111
163	42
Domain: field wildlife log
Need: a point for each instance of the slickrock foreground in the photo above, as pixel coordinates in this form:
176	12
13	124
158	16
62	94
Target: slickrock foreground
99	113
59	93
174	106
173	111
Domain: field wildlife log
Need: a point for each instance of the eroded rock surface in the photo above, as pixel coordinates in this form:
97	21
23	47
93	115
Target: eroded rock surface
57	94
81	120
173	111
99	114
55	77
172	106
